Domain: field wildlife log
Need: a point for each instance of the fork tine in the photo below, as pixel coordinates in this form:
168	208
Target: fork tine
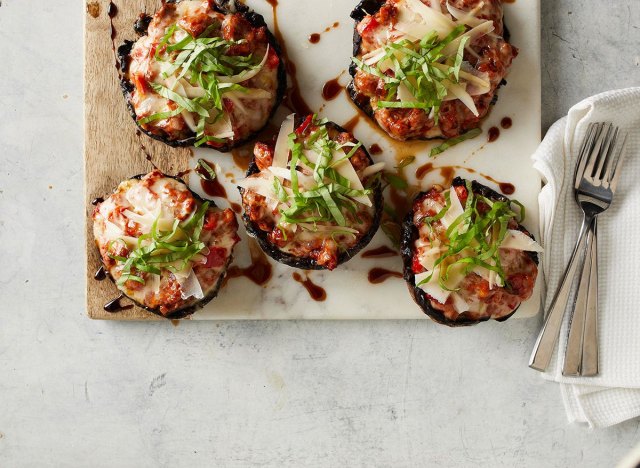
585	149
605	158
619	159
596	151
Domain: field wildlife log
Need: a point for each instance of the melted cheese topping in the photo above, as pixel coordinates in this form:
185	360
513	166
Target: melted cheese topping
299	237
245	112
130	213
466	292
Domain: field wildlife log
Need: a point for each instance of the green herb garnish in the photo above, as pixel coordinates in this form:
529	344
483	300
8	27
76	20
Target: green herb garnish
474	238
332	198
158	250
395	181
421	67
205	64
454	141
406	162
204	170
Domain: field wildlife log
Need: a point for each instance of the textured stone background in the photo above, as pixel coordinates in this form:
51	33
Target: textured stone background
79	393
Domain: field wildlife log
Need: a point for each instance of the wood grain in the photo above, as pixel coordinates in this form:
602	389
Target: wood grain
112	150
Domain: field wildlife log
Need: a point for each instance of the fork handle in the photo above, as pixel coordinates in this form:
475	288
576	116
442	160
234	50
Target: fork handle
573	354
548	337
590	358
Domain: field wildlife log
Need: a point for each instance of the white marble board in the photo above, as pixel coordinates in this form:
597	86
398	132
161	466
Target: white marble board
349	293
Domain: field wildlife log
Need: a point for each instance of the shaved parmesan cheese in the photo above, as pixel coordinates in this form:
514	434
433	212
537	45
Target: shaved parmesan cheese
432	288
429	257
489	275
346	170
191	287
260	184
281	153
147	220
304	181
246	75
518	240
188	119
434	20
466	17
153	284
459	303
373	169
251	93
454	211
221	129
459	92
404	94
373	57
482	29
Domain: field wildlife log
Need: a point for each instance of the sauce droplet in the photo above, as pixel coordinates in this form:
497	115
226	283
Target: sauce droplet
506	123
175	323
423	170
100	274
316	292
331	89
380	252
351	124
380	275
259	271
447	173
112	11
493	135
314	38
507	188
115	306
213	188
375	149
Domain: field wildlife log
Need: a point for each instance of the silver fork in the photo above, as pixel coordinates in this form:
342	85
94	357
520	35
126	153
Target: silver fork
595	183
581	356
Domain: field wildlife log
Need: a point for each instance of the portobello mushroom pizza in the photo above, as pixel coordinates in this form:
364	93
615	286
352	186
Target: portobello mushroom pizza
314	199
429	68
466	257
204	73
164	247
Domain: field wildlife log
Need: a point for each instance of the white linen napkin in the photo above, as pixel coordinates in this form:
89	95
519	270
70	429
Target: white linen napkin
614	395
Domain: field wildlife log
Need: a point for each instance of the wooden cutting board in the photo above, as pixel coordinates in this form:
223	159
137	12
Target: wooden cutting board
113	151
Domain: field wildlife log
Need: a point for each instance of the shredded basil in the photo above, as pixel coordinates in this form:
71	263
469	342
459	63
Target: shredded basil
205	171
332	198
474	238
454	141
160	250
406	162
202	61
424	69
419	70
395	181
